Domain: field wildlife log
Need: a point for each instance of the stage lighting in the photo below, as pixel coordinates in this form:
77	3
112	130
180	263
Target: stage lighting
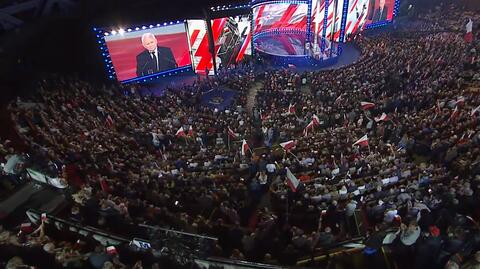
114	32
121	31
129	30
144	27
158	24
106	34
151	26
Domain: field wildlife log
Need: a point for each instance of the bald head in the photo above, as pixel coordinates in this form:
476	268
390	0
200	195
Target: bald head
149	42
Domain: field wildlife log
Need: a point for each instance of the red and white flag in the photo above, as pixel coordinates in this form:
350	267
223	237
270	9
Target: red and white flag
245	147
383	117
231	133
315	120
291	109
438	108
362	141
474	111
109	121
455	114
287	146
367	105
292	181
469	33
190	131
180	132
308	127
460	101
26	227
111	250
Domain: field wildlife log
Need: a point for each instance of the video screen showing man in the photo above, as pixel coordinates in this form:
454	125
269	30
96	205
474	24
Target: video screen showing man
154	58
136	53
380	10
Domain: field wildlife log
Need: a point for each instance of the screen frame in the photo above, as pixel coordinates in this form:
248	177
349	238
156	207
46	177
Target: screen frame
103	32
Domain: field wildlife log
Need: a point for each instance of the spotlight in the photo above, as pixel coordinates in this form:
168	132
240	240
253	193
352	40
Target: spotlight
136	29
151	26
114	32
106	34
129	30
164	23
121	31
144	27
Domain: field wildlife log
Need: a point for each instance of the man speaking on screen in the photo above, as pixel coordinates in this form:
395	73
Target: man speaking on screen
154	58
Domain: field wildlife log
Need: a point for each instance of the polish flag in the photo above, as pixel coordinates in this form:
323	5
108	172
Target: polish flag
438	108
469	33
231	133
455	114
367	105
111	250
291	109
190	131
292	181
315	120
362	141
245	147
180	132
474	111
26	227
287	146
264	117
309	126
383	117
460	101
109	121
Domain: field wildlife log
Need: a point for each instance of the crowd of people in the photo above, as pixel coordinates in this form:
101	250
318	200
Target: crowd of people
412	186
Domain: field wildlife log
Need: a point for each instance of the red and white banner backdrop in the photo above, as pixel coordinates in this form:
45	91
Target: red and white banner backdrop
334	20
280	16
124	48
232	37
198	37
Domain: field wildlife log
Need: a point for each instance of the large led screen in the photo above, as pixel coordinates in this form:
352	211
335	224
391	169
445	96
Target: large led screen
318	16
380	10
334	20
198	38
280	16
232	39
145	52
356	17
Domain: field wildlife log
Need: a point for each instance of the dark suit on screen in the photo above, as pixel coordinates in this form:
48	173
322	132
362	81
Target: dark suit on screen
380	15
146	65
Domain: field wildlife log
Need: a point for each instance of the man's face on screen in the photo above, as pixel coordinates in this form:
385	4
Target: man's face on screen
381	4
150	43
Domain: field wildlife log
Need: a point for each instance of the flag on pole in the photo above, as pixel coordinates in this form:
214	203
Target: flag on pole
455	114
362	141
367	105
109	121
190	131
438	108
291	109
469	33
245	147
474	111
292	181
460	101
180	132
287	146
307	128
231	133
383	117
315	120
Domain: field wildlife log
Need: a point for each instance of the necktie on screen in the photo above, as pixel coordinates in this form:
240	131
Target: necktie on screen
155	60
